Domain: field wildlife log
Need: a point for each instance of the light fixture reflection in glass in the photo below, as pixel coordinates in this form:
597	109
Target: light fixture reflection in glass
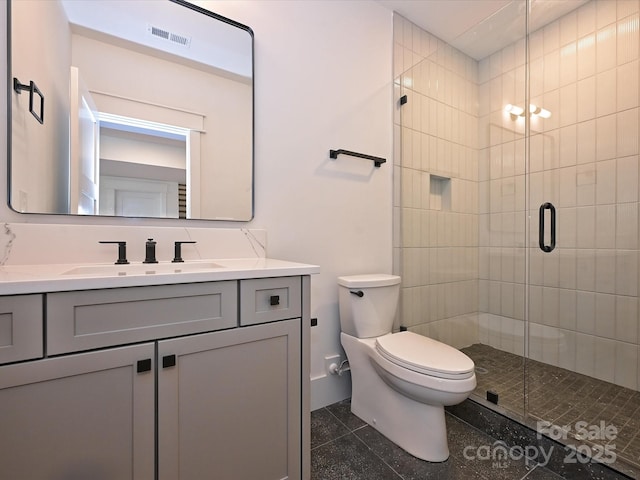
514	110
517	111
539	111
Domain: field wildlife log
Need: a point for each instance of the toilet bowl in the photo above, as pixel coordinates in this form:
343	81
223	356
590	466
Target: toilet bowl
401	382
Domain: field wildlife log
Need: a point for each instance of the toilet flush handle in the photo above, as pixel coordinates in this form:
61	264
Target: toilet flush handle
359	293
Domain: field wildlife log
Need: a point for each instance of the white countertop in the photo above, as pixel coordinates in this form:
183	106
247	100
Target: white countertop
22	279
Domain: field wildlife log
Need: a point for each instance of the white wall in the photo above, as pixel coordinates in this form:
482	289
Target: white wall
142	149
32	62
323	81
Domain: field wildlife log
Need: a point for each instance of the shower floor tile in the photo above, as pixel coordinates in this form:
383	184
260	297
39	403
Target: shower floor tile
563	398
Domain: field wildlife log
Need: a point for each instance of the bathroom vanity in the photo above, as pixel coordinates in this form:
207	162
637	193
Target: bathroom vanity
175	375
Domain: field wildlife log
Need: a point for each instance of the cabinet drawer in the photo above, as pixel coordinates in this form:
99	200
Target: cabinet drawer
20	328
98	318
269	299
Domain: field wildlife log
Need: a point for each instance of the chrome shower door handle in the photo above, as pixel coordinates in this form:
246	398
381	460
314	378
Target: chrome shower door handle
547	248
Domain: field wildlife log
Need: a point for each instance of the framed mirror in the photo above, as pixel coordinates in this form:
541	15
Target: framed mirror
133	108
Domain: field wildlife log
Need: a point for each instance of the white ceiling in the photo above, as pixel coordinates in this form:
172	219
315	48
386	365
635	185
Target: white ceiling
480	27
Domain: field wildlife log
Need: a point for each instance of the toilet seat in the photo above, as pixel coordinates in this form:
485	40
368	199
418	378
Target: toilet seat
424	355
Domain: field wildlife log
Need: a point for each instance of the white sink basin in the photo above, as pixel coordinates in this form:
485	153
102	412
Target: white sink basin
140	269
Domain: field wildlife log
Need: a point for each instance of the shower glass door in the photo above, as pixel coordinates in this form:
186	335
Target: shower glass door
582	348
502	183
516	210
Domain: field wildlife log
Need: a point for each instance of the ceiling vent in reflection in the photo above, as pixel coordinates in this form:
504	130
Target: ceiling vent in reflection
169	36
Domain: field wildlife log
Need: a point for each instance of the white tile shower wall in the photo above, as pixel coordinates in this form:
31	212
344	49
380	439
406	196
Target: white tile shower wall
436	230
584	159
585	69
459	331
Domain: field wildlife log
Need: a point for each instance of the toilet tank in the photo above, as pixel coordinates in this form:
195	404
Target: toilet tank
368	304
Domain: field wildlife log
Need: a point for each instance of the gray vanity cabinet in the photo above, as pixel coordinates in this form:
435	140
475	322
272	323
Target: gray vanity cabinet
229	404
88	415
171	382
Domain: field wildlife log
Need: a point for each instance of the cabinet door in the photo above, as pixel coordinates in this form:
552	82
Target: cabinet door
229	404
20	327
85	416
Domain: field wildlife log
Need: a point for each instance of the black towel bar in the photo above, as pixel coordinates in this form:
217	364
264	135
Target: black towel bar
33	90
377	161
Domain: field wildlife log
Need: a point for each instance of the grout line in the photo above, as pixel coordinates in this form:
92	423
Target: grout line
365	443
529	472
352	433
375	454
339	421
335	438
331	441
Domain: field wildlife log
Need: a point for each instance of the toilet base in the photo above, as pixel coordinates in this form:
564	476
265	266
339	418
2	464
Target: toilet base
416	427
420	431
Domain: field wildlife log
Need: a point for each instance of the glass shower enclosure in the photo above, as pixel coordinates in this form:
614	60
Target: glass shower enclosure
516	210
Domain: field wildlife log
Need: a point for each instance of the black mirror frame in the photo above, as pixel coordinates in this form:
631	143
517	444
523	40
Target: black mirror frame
185	4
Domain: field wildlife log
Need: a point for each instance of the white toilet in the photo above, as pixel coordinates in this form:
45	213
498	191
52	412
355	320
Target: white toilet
400	381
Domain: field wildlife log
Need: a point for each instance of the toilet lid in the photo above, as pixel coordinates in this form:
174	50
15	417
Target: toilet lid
368	280
425	355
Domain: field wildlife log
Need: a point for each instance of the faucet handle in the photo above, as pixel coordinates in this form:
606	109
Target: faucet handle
177	257
122	251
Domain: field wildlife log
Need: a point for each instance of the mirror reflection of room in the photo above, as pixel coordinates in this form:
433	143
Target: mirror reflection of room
149	111
143	169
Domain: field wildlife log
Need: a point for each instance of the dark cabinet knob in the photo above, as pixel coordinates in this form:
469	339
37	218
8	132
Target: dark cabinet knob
169	361
274	300
143	365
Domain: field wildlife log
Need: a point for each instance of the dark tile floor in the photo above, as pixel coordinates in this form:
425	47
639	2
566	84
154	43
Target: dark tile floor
344	447
563	398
